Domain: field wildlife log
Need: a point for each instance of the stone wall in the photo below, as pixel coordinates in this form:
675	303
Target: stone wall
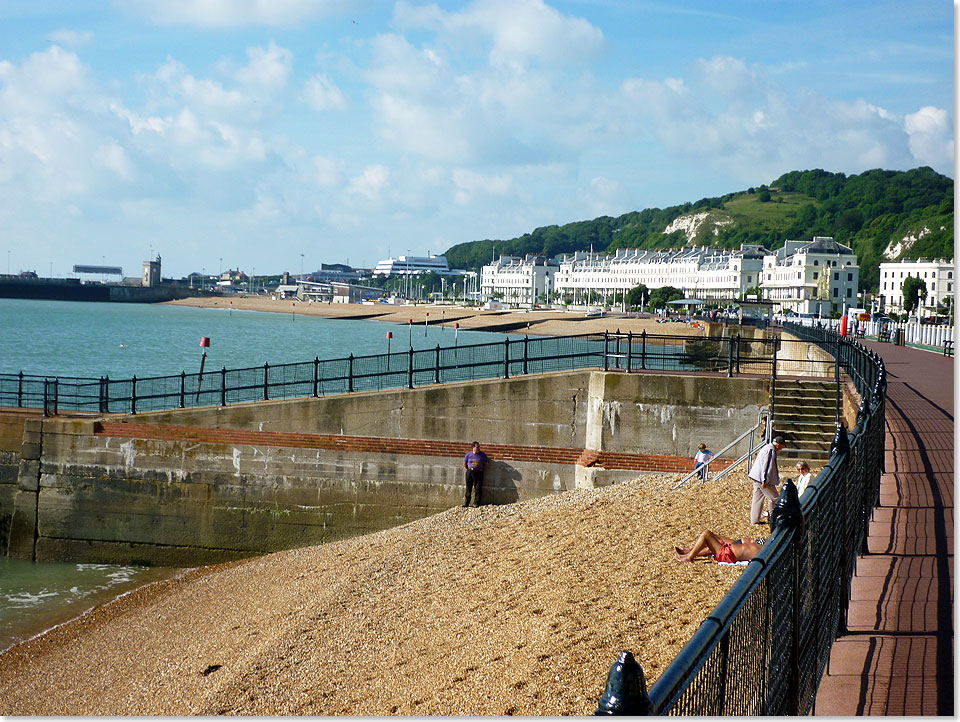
204	485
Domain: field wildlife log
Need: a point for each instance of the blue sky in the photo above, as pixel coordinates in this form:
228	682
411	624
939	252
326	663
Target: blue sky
244	133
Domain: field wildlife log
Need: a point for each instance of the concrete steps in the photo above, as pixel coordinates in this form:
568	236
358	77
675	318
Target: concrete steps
805	413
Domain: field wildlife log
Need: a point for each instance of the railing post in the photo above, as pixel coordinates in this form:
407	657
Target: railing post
506	358
56	396
100	405
643	349
45	394
316	376
20	390
106	398
350	373
183	385
410	369
836	375
436	374
525	355
617	353
629	351
223	386
266	382
626	690
729	356
606	357
738	353
133	395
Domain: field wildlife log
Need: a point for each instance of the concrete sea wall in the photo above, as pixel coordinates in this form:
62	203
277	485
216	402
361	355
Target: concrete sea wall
211	484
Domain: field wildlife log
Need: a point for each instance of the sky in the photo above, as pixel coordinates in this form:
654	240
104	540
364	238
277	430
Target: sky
272	135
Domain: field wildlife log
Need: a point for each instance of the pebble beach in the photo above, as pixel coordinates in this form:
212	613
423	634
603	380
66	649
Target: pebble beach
497	610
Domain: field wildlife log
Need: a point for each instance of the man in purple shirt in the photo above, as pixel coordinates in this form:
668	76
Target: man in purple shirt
475	462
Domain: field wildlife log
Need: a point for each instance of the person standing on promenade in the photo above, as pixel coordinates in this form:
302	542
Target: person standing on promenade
475	462
765	476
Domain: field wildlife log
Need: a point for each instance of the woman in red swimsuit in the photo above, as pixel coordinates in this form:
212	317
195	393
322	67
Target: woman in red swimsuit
722	548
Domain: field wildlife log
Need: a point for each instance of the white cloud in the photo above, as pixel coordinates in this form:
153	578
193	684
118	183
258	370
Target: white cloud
71	38
321	93
468	185
371	183
268	68
931	136
234	13
326	171
515	30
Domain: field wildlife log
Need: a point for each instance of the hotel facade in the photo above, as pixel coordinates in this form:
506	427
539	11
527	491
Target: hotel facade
937	275
817	276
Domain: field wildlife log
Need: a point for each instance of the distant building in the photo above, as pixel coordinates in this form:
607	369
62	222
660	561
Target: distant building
811	277
936	274
414	266
519	281
151	273
709	274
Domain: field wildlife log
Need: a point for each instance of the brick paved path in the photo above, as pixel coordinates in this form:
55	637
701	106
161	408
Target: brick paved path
897	657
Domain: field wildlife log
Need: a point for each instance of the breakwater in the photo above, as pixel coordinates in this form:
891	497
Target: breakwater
208	484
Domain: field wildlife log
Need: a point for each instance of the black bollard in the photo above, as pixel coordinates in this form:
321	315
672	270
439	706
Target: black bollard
626	692
787	509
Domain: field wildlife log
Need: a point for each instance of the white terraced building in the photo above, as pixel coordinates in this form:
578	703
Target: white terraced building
414	266
811	277
936	274
707	273
519	281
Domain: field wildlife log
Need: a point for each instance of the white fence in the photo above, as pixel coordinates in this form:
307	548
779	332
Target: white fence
912	333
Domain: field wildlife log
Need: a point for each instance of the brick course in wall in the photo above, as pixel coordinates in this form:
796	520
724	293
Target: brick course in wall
414	447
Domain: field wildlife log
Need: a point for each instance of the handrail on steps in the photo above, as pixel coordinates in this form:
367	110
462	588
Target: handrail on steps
763	416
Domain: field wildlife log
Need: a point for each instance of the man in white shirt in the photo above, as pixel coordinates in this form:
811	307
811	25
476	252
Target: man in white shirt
765	476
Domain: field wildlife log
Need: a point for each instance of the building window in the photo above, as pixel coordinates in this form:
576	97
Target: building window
816	263
815	274
849	293
850	277
836	276
836	292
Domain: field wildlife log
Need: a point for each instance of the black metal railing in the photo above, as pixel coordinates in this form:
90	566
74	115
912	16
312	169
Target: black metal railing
404	369
764	649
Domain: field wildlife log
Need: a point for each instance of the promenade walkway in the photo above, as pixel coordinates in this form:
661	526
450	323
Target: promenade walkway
897	657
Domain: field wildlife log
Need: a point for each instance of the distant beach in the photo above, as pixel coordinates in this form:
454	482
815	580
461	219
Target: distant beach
538	322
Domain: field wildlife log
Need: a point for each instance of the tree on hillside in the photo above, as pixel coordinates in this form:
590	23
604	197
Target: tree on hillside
914	292
660	297
638	295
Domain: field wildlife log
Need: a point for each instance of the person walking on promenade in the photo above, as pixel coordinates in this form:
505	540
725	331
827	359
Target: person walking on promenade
700	460
475	462
765	476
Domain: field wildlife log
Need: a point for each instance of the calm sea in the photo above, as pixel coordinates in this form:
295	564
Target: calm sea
121	340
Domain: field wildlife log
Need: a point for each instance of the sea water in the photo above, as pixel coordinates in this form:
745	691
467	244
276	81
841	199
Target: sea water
62	338
36	597
120	340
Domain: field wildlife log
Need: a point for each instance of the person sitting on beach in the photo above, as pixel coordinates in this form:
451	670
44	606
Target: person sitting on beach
700	461
722	548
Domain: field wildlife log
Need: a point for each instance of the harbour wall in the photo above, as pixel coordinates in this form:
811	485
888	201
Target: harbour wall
210	484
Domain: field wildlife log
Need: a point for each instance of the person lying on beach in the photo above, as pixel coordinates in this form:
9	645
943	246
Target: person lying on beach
722	548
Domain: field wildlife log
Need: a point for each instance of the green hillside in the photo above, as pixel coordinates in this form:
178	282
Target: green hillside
868	212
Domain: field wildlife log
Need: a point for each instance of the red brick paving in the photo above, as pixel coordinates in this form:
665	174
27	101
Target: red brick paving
897	655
